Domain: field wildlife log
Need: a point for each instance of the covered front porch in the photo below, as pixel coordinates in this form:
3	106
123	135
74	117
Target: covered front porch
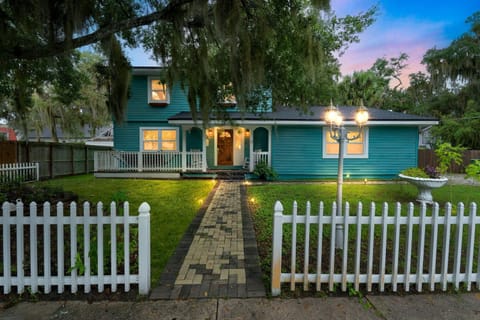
201	150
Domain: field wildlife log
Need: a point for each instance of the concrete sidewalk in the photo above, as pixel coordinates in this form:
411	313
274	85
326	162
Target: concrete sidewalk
415	306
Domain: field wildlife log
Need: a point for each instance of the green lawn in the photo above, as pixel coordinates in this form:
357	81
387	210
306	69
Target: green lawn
262	198
173	203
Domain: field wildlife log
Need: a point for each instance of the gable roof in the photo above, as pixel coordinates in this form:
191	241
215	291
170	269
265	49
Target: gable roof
314	116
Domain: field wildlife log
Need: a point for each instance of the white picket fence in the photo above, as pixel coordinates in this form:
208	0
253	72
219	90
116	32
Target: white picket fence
24	265
21	172
422	248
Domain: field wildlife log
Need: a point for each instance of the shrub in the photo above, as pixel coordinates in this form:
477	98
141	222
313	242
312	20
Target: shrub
447	154
415	172
27	193
473	170
264	172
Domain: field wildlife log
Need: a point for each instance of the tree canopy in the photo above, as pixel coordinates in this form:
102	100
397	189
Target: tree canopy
250	46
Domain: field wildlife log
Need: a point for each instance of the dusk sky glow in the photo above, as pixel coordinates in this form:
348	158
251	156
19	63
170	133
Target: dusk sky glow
406	26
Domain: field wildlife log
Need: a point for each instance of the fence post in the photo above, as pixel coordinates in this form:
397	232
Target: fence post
140	161
144	248
37	170
277	248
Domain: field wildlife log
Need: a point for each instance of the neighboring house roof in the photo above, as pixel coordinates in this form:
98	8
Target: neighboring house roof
83	135
315	115
104	138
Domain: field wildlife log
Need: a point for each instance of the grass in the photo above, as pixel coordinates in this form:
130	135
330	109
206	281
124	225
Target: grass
262	199
174	204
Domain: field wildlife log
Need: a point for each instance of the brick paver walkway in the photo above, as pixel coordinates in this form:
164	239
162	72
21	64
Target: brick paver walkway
221	259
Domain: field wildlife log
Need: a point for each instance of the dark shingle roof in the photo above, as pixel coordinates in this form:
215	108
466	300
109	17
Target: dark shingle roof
314	114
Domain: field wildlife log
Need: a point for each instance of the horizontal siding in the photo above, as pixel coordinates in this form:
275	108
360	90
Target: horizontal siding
298	153
139	109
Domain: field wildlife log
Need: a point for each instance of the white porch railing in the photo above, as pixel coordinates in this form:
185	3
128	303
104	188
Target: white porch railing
259	157
70	250
19	172
166	161
426	250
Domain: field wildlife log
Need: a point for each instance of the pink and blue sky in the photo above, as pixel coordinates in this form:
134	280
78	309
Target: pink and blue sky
409	26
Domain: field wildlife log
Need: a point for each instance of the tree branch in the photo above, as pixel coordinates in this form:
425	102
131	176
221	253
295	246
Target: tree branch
52	49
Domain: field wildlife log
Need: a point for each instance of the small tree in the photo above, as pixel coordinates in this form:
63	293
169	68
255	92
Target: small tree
473	170
447	154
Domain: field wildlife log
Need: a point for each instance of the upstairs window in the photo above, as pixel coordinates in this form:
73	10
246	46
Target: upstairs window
158	92
357	148
159	139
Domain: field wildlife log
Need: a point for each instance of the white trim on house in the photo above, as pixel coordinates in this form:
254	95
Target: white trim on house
364	155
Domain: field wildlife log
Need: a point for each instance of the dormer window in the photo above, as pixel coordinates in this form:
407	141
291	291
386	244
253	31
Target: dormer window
158	94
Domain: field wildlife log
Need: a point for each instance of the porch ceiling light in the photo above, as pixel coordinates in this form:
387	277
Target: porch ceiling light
210	133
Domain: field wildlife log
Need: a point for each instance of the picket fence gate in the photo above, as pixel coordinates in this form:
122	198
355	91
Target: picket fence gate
20	172
435	266
21	232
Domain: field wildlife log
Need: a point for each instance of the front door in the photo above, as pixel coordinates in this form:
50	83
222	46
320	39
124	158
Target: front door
225	147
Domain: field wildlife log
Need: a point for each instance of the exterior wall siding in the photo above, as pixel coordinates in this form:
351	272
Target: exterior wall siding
140	110
140	114
297	153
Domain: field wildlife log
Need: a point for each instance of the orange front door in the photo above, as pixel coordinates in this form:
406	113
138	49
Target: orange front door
225	147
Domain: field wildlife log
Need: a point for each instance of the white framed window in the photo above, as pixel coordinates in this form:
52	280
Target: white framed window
357	148
159	139
158	91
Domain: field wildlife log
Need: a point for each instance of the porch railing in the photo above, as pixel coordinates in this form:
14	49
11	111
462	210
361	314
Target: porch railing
163	161
259	157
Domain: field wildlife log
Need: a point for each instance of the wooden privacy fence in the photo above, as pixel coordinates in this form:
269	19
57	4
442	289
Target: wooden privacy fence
427	157
21	172
55	159
422	248
40	249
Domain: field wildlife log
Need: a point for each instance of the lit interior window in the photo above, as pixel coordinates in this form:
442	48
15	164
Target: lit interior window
158	91
353	148
159	140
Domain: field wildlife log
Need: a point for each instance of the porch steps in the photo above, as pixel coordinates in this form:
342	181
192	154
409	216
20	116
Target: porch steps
200	175
229	174
217	174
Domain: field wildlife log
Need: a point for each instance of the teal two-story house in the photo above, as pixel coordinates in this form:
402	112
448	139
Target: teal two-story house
160	137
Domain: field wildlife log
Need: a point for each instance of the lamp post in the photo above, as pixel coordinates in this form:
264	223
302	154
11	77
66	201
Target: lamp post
339	133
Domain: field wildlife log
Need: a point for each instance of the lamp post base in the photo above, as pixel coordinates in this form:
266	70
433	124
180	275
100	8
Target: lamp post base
339	236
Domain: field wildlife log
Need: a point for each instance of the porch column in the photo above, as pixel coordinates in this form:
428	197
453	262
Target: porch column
253	159
269	130
184	149
204	151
